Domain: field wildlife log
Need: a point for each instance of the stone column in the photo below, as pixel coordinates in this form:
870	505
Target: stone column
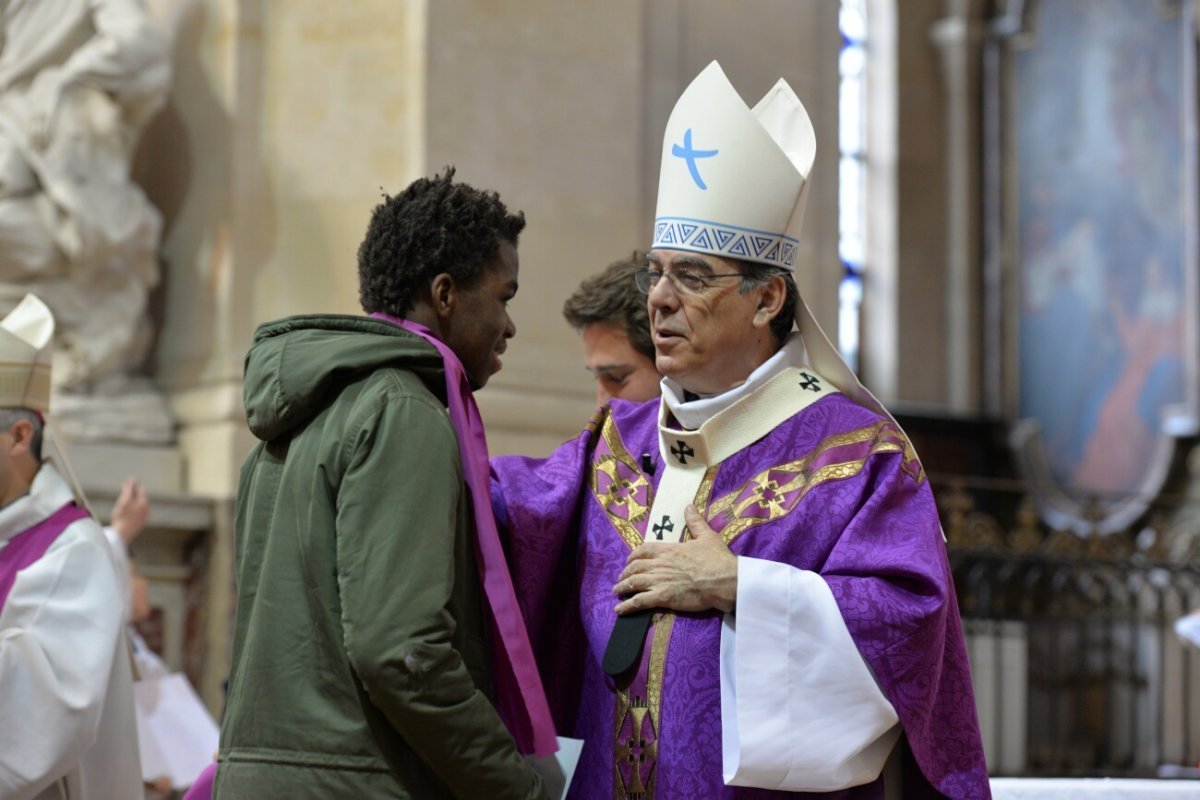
958	37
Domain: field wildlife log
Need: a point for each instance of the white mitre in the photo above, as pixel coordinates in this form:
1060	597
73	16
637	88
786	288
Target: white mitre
25	351
734	183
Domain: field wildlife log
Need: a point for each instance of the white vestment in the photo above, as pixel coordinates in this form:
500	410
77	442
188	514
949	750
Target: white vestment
67	726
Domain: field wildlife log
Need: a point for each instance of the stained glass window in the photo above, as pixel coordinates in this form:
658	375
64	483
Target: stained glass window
852	172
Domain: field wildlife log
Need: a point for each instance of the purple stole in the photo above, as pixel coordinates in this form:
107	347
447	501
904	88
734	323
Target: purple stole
30	545
202	787
520	699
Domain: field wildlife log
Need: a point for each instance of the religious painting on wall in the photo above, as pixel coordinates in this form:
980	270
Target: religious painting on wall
1098	154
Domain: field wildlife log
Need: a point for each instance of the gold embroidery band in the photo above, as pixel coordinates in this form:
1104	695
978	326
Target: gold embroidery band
619	486
638	717
775	492
25	385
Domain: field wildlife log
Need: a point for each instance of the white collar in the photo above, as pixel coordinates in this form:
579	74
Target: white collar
694	413
48	493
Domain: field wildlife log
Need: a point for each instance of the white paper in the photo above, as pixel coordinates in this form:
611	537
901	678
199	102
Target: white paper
568	758
176	734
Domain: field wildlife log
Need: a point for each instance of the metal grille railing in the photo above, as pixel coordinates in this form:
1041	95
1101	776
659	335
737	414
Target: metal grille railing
1076	665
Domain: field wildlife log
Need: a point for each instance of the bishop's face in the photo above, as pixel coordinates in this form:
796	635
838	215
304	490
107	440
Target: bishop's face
705	339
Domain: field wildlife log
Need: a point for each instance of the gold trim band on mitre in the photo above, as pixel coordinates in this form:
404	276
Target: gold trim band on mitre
25	385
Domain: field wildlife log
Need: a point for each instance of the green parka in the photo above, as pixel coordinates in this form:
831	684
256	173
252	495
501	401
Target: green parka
360	668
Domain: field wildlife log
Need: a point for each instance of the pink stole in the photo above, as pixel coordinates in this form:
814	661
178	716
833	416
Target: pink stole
520	698
30	545
202	787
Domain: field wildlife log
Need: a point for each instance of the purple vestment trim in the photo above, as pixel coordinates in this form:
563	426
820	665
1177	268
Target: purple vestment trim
30	545
202	787
520	698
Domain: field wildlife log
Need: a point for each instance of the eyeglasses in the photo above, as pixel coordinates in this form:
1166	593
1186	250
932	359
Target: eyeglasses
682	279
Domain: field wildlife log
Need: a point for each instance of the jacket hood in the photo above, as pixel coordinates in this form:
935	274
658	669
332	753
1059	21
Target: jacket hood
296	364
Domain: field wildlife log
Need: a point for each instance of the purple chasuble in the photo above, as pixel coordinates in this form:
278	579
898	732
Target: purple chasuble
835	489
27	547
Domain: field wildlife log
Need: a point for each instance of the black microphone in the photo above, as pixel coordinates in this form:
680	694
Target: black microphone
647	464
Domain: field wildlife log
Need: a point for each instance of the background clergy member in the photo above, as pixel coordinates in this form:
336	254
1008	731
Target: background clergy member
609	312
67	724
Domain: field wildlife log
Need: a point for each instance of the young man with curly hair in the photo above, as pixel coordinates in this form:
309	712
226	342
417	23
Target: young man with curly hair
376	621
610	314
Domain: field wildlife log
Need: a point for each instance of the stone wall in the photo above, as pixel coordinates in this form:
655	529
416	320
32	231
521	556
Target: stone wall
287	121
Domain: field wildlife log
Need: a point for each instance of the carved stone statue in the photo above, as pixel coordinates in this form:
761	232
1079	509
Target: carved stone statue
79	79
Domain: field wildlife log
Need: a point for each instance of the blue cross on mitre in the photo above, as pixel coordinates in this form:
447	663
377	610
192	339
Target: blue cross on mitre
690	154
